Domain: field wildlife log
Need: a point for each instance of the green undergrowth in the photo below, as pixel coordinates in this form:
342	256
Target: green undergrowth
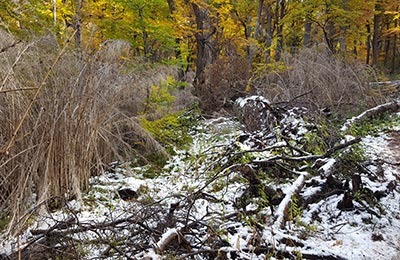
4	221
171	130
376	125
168	125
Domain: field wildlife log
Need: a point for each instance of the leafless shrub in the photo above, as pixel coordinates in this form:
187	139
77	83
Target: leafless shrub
224	80
72	128
320	80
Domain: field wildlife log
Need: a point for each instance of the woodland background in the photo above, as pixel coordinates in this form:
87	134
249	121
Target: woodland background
84	83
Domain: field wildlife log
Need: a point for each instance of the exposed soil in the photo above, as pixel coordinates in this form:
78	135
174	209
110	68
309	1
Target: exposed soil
394	145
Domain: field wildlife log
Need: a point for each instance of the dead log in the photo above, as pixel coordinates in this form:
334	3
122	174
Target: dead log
393	106
283	208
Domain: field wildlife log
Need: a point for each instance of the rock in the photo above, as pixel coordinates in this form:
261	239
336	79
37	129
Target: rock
127	194
255	113
346	203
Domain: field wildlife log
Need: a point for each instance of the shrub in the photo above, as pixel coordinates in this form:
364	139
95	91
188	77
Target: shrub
319	80
73	126
224	81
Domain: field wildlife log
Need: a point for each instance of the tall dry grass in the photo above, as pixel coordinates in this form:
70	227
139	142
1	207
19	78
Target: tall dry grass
318	80
81	120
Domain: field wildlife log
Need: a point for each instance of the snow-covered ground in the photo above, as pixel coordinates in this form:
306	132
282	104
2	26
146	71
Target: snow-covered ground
197	195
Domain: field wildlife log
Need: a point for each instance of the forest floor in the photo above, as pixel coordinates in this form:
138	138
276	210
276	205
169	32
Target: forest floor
235	194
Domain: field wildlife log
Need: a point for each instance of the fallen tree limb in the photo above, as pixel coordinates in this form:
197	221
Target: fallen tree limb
281	212
311	157
393	106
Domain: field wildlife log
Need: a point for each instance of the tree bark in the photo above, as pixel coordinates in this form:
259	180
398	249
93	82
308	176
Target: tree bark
77	25
206	53
257	30
368	43
280	9
268	39
54	2
307	33
394	50
376	33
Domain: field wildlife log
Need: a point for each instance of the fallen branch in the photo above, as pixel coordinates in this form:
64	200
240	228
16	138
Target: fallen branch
170	236
311	157
283	208
378	110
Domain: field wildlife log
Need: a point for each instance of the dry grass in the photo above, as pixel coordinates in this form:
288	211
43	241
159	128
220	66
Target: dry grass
224	81
319	80
73	127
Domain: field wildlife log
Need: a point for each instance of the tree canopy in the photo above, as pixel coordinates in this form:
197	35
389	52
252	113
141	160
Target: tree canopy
198	32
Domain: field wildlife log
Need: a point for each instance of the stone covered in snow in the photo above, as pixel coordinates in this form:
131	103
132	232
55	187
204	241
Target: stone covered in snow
255	112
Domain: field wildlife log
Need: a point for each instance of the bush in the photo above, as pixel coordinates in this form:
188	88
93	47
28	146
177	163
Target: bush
72	128
319	80
224	81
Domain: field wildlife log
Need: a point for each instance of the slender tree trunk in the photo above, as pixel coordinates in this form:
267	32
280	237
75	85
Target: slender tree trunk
376	33
387	47
355	52
172	6
257	31
178	53
307	34
145	36
394	50
343	29
269	32
54	2
368	43
279	46
205	46
77	25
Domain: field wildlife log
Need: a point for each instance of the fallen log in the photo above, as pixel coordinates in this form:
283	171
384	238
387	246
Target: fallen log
393	106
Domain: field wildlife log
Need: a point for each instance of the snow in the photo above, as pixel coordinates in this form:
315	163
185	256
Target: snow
326	230
326	169
251	100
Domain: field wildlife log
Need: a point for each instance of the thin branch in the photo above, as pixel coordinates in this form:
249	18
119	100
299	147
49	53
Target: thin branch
10	46
17	89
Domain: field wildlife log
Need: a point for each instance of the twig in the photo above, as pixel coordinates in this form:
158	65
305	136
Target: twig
311	157
17	89
10	46
15	63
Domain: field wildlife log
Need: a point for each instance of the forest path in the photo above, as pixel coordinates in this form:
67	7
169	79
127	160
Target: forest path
394	148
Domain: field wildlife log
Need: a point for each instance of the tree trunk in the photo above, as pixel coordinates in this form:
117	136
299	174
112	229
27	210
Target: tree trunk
343	29
394	50
387	47
77	25
146	47
206	53
171	5
257	30
280	8
268	39
368	43
307	34
375	37
54	2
